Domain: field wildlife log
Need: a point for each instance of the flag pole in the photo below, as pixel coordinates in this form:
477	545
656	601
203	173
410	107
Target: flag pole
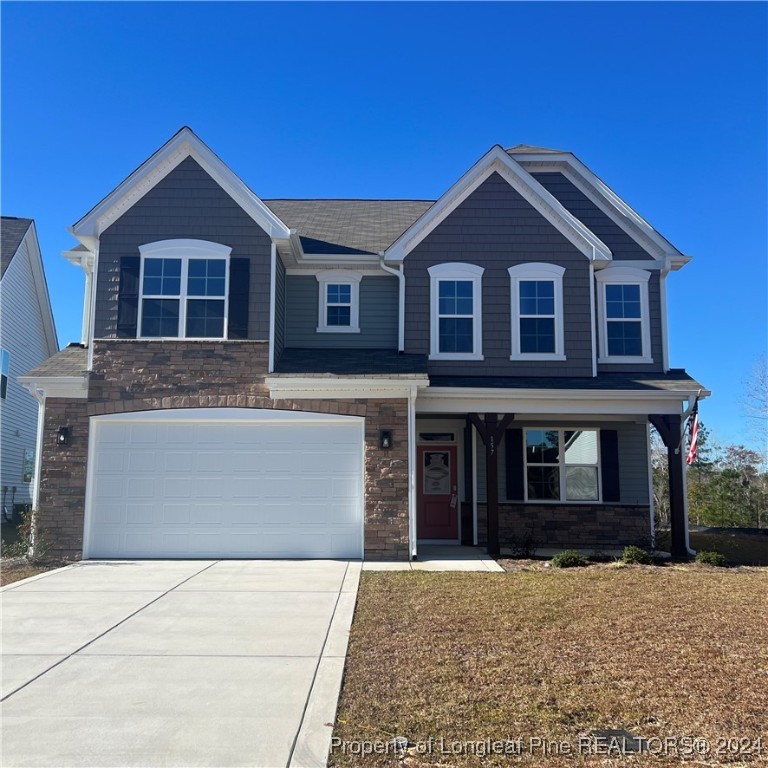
688	415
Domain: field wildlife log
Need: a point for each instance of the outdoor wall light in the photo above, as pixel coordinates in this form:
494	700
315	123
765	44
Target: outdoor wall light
63	436
385	439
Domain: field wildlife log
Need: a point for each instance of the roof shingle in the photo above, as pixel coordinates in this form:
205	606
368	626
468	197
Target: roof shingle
12	231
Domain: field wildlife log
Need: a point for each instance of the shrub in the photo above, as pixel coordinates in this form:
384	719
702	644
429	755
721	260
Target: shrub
711	558
569	558
636	555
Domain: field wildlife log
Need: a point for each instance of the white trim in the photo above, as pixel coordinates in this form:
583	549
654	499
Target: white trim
593	318
601	195
456	271
496	160
312	271
538	402
39	395
338	277
185	251
651	502
341	387
92	310
624	276
542	272
664	321
400	275
83	258
412	497
70	387
272	303
184	144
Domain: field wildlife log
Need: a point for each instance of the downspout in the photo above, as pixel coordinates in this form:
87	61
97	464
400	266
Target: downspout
88	269
92	316
39	395
664	330
273	288
412	472
400	275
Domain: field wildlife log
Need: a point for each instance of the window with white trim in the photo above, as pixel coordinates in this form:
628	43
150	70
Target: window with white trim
339	301
623	311
184	290
562	465
537	311
456	312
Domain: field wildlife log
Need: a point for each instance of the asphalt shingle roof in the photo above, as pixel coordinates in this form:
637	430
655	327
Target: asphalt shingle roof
350	362
71	361
12	231
348	226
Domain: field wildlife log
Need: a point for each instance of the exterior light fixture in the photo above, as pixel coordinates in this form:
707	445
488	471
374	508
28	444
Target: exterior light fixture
385	439
63	436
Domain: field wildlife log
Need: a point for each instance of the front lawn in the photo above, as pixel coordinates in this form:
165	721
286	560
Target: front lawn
677	652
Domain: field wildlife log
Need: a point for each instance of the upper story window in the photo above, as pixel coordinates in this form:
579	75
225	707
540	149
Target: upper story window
5	372
622	302
455	317
184	290
537	312
339	301
562	465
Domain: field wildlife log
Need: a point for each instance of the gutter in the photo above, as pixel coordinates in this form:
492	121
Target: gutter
400	275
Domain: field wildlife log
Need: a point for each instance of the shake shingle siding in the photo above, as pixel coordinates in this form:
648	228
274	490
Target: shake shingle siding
622	245
187	203
496	228
378	315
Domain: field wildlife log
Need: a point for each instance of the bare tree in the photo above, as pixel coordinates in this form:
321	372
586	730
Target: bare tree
755	401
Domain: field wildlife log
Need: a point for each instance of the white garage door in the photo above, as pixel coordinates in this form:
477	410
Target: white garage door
225	483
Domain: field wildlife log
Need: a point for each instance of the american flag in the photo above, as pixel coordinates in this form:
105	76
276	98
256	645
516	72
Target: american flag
693	433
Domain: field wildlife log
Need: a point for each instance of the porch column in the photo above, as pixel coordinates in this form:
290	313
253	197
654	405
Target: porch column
491	432
669	428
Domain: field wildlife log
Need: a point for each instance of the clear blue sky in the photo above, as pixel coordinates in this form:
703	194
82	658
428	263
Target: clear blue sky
665	101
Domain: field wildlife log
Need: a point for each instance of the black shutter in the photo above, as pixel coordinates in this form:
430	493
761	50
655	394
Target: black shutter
239	279
128	297
515	467
609	464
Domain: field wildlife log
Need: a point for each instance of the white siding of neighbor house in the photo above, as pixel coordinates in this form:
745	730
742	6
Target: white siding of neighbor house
22	335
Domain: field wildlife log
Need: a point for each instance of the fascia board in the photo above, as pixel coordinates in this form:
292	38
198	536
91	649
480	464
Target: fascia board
41	289
184	144
497	160
75	387
613	206
347	387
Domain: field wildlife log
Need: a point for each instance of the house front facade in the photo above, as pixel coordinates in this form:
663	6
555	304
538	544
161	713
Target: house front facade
354	378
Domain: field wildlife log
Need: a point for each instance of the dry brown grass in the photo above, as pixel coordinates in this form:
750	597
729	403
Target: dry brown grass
675	651
17	569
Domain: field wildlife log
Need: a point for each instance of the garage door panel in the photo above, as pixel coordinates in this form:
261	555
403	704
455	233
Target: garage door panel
163	488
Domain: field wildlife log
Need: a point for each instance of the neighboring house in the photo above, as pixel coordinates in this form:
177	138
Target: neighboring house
27	338
349	378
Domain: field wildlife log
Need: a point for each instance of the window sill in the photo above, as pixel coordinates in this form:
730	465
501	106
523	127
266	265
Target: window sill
457	356
537	357
339	329
623	360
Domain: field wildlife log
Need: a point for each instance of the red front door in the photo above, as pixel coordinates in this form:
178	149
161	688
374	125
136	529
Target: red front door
438	507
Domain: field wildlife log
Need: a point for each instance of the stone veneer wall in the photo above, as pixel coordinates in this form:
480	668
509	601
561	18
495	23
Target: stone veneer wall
599	526
130	375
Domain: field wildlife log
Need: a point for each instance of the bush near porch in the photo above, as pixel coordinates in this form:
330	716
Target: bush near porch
672	651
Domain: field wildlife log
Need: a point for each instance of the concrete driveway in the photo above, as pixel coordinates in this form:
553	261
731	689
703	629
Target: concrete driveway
183	663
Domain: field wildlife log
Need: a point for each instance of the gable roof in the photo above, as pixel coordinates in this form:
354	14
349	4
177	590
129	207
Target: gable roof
184	144
12	231
348	226
497	160
601	195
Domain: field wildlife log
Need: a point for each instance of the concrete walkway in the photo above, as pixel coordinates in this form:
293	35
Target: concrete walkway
185	663
441	557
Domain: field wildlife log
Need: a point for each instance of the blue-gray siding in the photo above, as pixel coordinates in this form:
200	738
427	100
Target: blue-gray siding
633	460
497	228
187	203
378	315
622	245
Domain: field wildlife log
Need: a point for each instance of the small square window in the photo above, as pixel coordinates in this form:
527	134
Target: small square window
5	372
338	301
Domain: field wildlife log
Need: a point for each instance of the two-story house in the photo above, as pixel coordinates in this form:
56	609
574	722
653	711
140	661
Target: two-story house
27	338
351	378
